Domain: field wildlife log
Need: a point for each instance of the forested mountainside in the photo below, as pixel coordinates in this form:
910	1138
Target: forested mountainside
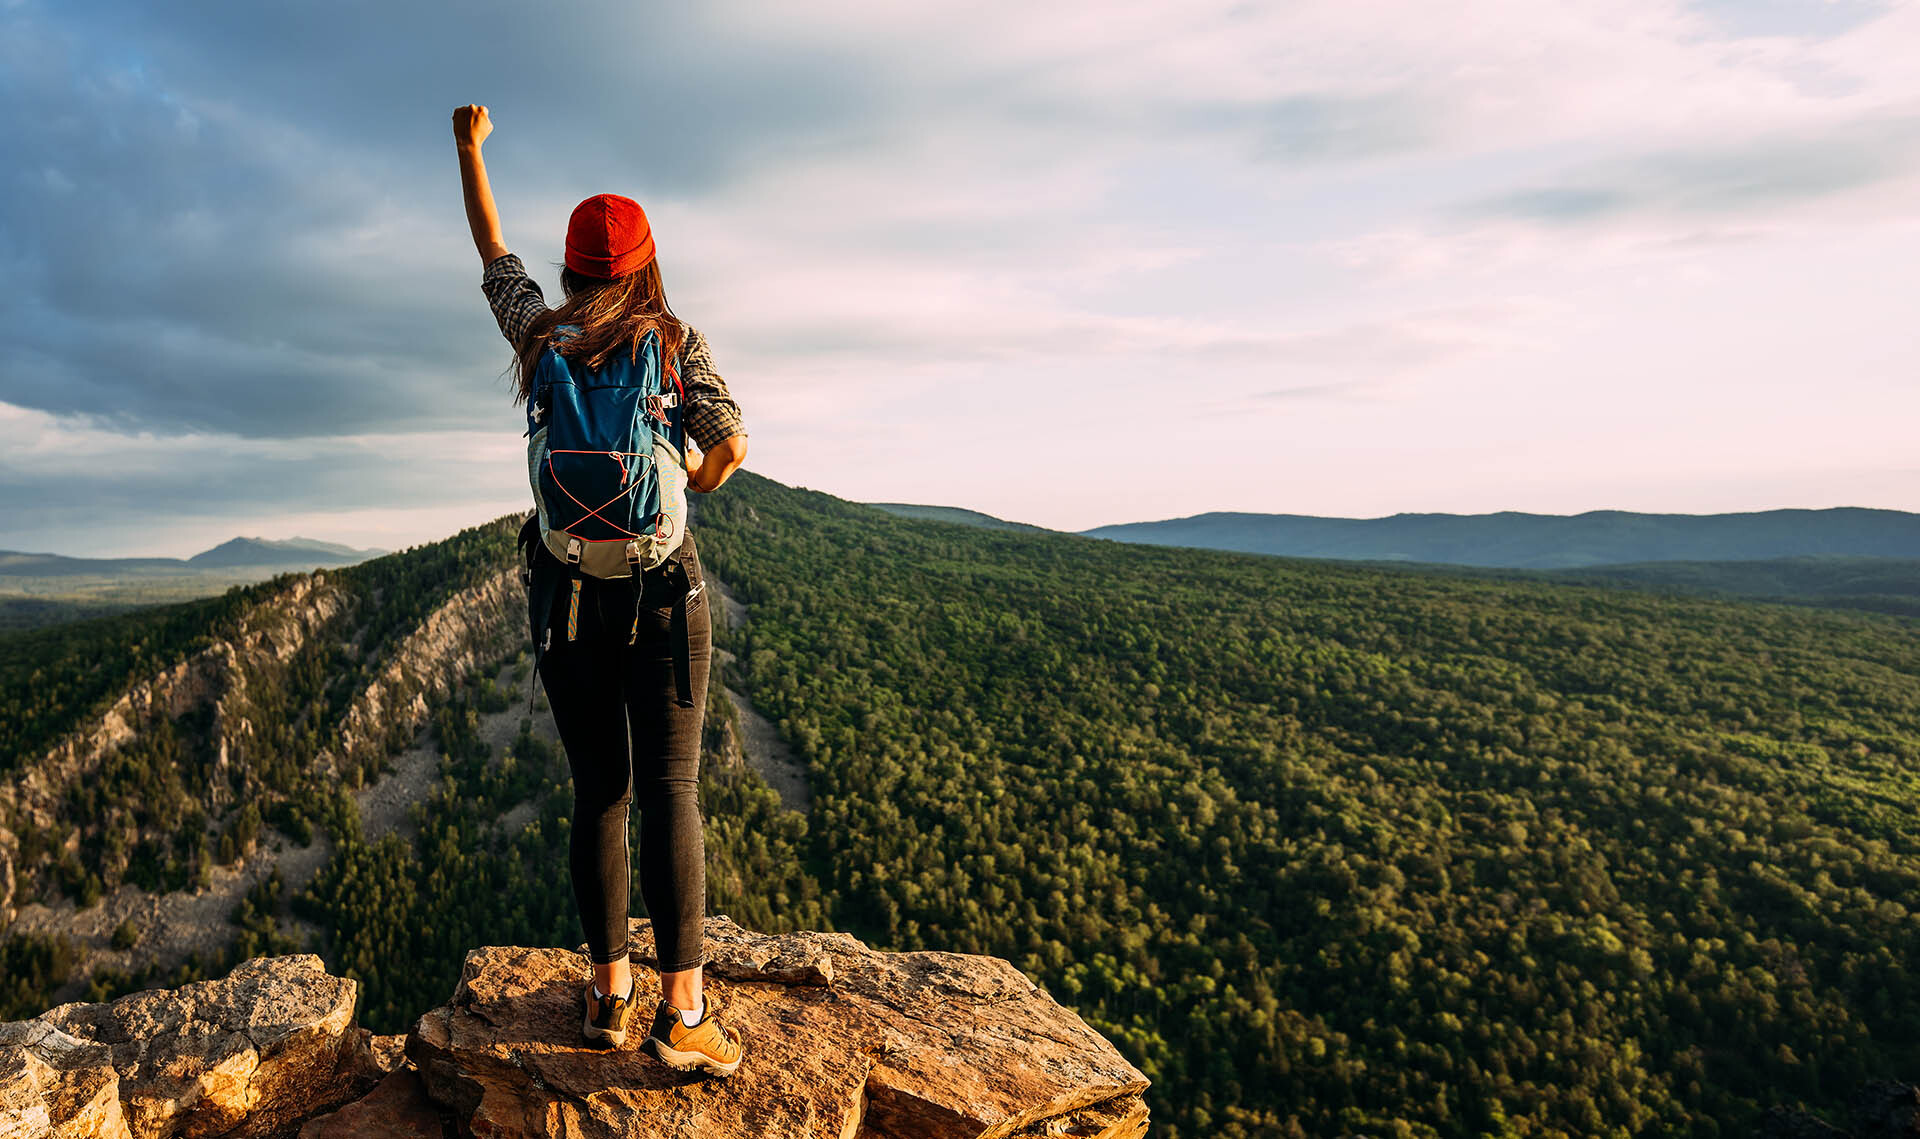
1326	849
1542	541
1338	850
143	747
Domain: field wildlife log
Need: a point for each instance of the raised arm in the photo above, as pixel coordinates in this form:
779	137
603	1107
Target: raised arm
471	126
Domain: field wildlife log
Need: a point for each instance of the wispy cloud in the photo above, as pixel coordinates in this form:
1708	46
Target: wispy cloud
1720	180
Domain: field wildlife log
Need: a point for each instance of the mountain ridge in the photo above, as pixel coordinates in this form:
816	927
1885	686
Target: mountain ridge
277	551
956	514
39	589
307	553
1527	540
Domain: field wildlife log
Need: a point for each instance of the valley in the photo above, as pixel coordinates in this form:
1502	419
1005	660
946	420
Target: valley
765	752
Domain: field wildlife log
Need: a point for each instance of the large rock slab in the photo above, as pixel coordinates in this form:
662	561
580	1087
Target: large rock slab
843	1041
246	1057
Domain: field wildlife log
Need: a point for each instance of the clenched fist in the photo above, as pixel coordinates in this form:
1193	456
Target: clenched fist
471	126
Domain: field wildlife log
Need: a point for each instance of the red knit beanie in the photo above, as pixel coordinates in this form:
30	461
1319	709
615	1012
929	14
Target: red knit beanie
608	236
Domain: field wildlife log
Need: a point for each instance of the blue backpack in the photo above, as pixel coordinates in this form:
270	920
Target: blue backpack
606	456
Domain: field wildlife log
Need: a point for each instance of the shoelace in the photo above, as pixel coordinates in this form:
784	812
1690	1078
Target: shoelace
726	1033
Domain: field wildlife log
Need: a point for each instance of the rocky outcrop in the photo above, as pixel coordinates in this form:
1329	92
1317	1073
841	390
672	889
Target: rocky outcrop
249	1055
397	1108
1879	1109
844	1042
1886	1109
53	1084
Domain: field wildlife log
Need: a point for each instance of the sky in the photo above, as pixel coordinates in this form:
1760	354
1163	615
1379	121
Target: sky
1071	264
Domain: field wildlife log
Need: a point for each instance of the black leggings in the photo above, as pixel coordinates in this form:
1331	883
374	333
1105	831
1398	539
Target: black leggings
624	733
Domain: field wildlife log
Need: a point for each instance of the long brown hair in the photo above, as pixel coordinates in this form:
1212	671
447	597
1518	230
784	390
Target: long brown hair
610	315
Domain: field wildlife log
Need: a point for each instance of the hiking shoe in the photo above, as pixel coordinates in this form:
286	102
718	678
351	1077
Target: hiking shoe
706	1047
607	1016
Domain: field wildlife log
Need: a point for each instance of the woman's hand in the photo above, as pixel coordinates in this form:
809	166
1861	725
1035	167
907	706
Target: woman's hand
694	458
714	466
471	126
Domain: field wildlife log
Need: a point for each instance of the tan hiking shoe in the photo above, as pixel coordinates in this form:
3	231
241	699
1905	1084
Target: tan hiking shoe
607	1016
707	1046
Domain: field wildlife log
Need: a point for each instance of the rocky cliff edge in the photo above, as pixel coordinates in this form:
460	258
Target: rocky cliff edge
844	1042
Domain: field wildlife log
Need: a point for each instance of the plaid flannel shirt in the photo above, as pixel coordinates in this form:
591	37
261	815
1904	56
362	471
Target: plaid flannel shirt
712	414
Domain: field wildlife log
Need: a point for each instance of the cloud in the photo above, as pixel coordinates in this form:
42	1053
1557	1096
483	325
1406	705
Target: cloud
1721	179
198	269
1794	18
74	488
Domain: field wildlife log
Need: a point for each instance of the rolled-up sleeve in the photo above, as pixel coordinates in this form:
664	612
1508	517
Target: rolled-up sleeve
515	298
712	413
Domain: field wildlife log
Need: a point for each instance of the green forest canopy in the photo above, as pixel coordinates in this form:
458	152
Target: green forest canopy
1335	850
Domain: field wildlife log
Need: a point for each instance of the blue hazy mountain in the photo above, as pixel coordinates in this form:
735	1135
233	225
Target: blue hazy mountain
1542	541
305	552
46	589
301	553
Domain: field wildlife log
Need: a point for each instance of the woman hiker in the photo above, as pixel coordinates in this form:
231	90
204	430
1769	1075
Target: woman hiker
627	700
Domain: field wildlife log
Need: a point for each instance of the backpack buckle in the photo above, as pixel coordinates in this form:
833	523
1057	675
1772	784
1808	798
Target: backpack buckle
573	550
633	554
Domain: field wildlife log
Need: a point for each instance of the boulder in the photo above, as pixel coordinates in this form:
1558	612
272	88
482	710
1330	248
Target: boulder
53	1084
843	1042
1886	1109
1793	1123
1122	1118
397	1108
372	1058
245	1056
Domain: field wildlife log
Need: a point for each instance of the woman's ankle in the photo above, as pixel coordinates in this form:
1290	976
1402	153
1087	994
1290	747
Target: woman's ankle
682	989
615	978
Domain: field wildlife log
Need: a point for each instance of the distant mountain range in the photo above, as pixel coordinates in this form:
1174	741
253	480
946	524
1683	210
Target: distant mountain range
1510	539
268	551
1846	557
301	553
1541	541
40	589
